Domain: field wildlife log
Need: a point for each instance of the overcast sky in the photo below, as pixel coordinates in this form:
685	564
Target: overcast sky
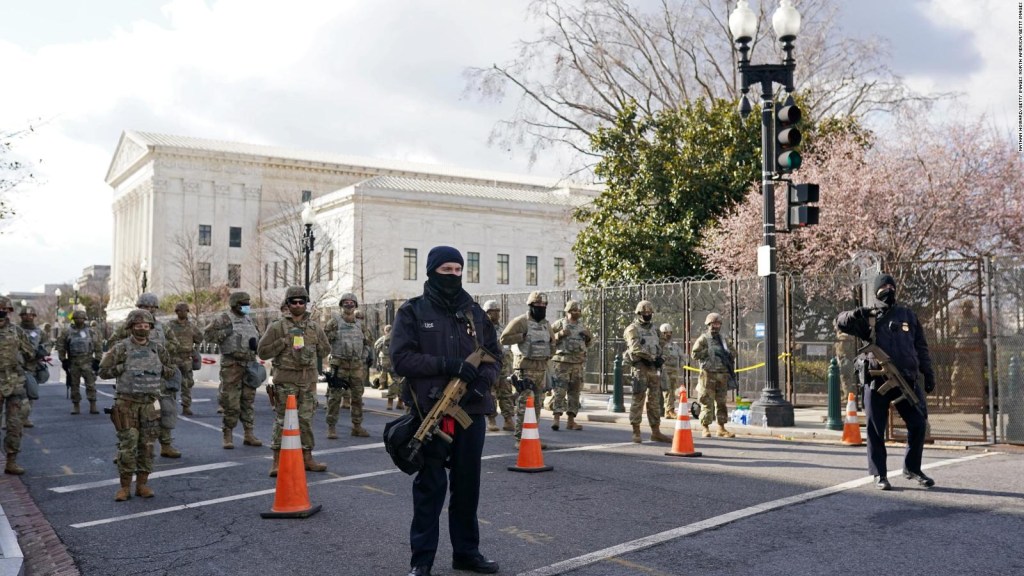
373	78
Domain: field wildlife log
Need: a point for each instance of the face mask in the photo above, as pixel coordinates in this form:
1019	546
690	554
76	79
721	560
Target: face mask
3	314
140	333
715	330
887	296
245	309
574	315
449	285
538	312
646	317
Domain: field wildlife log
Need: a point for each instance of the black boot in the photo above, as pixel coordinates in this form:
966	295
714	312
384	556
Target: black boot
920	477
882	483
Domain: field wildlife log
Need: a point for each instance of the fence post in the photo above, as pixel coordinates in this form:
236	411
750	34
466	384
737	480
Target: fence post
834	423
1014	405
617	405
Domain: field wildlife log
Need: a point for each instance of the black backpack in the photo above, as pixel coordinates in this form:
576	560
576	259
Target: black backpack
397	435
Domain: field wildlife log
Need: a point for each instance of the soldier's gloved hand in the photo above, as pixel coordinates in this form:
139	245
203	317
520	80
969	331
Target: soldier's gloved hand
929	384
252	343
659	362
65	364
459	367
864	312
95	364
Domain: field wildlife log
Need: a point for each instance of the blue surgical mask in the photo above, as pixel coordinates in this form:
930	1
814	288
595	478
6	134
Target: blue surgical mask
245	310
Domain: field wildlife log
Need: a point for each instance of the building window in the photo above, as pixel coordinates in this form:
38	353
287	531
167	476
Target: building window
472	271
502	268
559	272
235	275
318	260
266	278
295	274
235	237
202	274
409	264
284	273
205	235
275	274
330	265
531	270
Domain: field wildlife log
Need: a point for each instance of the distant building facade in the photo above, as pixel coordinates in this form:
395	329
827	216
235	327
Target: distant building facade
192	211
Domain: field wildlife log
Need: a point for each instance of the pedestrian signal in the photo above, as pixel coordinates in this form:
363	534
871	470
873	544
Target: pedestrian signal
800	213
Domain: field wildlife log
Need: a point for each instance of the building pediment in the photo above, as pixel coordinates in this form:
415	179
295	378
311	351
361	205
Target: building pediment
128	153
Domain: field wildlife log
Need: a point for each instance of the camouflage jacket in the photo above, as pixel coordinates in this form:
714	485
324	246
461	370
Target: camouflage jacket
113	363
279	343
333	331
64	341
16	349
186	334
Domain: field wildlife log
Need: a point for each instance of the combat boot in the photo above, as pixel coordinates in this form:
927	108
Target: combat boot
572	425
657	436
636	434
332	432
705	431
400	405
391	403
723	433
310	464
492	424
554	420
168	451
251	439
126	488
229	440
186	411
359	432
141	490
92	407
277	460
74	408
12	465
508	426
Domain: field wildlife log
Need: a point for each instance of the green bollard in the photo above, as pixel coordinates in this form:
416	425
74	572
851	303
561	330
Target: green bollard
617	405
834	422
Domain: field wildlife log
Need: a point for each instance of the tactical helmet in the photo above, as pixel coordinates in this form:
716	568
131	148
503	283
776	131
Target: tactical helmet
5	303
644	306
148	299
78	308
537	298
32	310
296	292
237	298
139	316
713	317
255	374
491	305
181	306
573	305
387	328
348	296
665	328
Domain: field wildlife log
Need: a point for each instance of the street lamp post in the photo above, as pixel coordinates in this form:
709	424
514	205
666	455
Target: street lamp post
75	287
57	320
771	408
308	240
144	267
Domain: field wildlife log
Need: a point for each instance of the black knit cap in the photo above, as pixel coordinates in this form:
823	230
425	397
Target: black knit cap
882	280
439	255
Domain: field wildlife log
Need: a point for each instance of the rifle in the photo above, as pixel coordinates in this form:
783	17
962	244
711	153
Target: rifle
894	380
729	363
272	394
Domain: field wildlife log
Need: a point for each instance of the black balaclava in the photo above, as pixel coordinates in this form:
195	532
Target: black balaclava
647	317
537	313
448	286
886	297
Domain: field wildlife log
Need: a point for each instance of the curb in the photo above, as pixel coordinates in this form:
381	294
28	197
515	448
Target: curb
12	560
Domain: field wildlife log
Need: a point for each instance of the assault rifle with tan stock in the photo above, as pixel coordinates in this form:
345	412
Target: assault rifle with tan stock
893	377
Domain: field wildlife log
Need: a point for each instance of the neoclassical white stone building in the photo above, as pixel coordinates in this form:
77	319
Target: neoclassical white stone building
194	211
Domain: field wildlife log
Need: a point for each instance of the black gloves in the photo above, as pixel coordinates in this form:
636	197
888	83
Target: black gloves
252	343
659	362
929	384
65	364
95	365
459	367
864	312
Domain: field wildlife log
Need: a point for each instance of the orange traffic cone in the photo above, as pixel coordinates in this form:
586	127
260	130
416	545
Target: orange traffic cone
851	428
530	458
682	442
291	499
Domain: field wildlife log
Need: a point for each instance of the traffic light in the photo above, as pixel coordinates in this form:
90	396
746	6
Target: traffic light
787	138
799	212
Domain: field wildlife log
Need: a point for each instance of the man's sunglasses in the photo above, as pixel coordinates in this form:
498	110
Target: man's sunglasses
297	301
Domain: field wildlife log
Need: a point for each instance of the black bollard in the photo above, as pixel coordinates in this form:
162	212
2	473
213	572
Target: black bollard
617	404
834	422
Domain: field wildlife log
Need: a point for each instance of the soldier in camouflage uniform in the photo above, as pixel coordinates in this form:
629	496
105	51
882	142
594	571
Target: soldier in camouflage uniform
533	344
40	340
387	378
188	336
502	388
80	349
236	335
293	343
15	353
159	334
643	354
671	370
714	353
571	342
141	367
846	356
350	343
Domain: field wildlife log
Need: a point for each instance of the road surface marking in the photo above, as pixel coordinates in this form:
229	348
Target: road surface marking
161	474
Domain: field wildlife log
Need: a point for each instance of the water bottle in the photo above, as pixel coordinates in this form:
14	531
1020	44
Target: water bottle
764	421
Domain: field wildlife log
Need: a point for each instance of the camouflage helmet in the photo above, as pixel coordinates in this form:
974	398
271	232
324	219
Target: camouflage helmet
491	305
665	328
348	296
713	317
5	303
573	305
25	310
236	298
537	298
644	306
148	299
79	308
296	292
139	316
181	306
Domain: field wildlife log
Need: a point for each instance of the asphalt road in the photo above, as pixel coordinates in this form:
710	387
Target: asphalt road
756	506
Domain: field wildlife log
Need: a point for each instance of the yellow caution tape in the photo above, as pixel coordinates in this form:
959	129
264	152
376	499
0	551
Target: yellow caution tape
744	369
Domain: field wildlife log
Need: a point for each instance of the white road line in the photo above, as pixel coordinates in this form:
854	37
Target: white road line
161	474
655	539
186	419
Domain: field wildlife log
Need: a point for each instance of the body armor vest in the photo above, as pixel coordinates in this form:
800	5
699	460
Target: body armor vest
348	342
383	357
10	348
537	345
572	348
79	341
142	370
305	358
242	330
716	350
649	339
34	334
673	355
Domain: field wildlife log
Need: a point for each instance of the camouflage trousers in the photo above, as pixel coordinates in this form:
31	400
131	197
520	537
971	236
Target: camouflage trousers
568	384
646	389
11	405
390	381
305	399
671	380
236	398
711	390
135	442
168	415
502	391
81	369
356	376
188	380
537	377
